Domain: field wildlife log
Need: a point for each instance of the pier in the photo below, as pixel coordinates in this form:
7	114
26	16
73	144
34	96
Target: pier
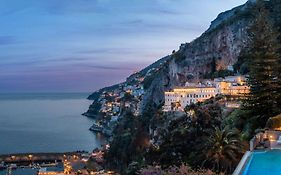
28	158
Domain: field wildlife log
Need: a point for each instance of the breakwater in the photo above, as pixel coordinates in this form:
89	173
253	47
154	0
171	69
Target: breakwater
28	158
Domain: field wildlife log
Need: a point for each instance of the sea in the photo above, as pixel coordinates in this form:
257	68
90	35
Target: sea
45	122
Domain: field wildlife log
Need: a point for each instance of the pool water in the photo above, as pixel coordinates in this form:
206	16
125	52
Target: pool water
264	163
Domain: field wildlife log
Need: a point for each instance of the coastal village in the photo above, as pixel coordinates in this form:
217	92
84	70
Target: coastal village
70	163
112	103
129	96
211	107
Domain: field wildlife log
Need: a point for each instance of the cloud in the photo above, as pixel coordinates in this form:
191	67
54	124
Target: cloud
64	7
97	39
106	67
110	50
5	40
170	12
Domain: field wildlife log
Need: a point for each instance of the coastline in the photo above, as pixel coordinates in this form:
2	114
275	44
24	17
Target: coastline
36	156
77	161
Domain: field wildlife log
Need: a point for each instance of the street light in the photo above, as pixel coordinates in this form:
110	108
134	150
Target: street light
30	157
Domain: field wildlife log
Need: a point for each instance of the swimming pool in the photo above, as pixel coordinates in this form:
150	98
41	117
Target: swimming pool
264	163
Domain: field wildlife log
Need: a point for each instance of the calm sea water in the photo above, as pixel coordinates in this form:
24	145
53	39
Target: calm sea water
45	123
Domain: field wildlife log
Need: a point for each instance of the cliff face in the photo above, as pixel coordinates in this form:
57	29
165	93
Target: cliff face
216	49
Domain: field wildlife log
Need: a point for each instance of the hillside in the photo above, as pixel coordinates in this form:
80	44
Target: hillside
242	40
216	49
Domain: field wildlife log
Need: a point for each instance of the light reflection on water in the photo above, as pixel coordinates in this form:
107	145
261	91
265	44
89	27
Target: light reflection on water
20	171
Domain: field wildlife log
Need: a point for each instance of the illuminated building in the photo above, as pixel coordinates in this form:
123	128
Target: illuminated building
179	98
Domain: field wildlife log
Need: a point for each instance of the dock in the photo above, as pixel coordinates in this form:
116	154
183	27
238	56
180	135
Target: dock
28	158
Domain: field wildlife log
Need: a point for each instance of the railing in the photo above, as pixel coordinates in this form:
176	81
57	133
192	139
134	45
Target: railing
254	142
270	135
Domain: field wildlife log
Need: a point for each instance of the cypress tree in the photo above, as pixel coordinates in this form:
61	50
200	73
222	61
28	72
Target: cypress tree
264	76
276	15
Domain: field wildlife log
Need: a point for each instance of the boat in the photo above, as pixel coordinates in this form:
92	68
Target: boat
13	166
2	166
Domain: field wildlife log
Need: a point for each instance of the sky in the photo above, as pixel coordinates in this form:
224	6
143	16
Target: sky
84	45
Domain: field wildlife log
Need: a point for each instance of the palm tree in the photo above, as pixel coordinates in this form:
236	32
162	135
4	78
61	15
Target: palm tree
223	150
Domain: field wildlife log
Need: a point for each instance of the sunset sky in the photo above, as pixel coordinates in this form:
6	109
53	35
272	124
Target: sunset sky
83	45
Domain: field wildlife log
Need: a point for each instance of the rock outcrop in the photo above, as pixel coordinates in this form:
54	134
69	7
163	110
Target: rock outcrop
216	49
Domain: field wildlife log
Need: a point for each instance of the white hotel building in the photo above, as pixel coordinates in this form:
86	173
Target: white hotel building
179	98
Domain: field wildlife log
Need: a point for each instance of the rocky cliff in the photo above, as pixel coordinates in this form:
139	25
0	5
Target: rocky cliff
216	49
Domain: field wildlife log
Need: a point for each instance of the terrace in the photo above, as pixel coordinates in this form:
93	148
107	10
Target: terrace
264	155
269	139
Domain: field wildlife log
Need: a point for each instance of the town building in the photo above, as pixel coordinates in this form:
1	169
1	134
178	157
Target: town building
56	170
232	85
179	98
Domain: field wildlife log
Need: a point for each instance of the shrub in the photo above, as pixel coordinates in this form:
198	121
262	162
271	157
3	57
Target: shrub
174	170
274	122
178	56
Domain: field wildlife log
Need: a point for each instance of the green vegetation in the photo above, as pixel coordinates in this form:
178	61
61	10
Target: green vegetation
274	122
194	138
207	135
94	108
277	15
264	71
178	56
219	73
147	81
123	148
130	142
242	64
174	170
223	150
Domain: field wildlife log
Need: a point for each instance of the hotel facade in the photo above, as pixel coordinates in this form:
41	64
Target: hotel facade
179	98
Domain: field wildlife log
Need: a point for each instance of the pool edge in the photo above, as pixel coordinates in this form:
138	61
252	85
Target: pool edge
240	167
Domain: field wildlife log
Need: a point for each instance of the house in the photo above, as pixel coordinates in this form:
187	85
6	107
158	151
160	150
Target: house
56	170
179	98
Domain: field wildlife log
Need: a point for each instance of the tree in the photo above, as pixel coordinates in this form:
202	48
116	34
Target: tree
276	6
264	76
174	170
223	150
122	148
